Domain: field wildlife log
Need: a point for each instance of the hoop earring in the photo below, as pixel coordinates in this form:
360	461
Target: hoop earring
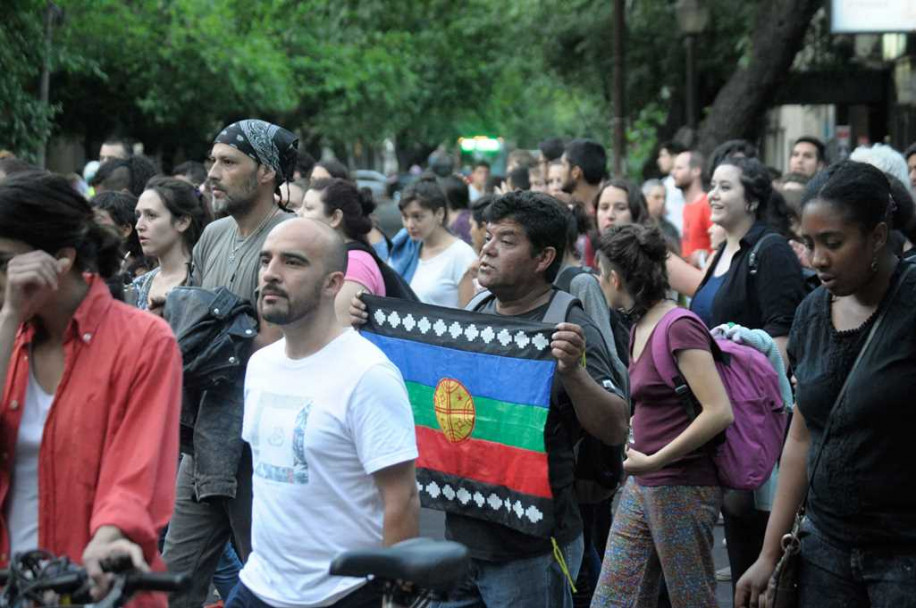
874	264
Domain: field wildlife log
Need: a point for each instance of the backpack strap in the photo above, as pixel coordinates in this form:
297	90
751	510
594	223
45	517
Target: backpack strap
752	262
480	299
665	363
560	305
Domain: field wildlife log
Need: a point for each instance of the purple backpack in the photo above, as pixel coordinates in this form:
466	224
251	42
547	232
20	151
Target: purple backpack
752	444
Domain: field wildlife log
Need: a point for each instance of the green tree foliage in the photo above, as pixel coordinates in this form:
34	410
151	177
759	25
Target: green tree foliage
25	123
423	72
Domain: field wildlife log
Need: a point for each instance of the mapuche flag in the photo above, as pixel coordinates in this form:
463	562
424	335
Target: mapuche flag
480	388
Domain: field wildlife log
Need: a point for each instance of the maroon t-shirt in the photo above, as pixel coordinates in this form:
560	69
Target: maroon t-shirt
659	415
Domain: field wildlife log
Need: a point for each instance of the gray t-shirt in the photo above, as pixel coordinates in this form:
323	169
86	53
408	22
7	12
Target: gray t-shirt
223	259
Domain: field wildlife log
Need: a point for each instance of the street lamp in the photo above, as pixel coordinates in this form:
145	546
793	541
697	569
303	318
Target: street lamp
692	19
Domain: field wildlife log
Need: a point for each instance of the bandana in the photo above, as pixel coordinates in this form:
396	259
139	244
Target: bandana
265	143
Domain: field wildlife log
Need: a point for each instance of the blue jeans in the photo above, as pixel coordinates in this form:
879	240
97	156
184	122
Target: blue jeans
226	576
366	596
842	577
534	582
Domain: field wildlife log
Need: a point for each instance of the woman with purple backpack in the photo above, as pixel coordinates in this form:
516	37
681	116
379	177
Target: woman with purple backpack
670	503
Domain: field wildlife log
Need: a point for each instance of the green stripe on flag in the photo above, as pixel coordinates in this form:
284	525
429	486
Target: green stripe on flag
511	424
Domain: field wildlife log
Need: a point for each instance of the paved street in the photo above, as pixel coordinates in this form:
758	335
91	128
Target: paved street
432	524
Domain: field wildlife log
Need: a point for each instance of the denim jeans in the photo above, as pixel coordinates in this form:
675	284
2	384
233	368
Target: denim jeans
226	576
534	582
843	577
366	596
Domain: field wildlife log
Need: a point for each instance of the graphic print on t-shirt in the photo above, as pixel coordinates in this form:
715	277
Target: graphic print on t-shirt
278	438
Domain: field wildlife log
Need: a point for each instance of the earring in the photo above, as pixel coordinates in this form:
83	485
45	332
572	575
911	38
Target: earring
874	264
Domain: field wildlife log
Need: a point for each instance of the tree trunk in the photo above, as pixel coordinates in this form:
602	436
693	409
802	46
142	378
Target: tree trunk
779	32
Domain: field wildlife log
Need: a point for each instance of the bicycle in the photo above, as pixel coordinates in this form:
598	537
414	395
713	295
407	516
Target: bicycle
411	573
41	580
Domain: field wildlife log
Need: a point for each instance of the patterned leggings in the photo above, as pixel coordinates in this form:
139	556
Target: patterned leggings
664	529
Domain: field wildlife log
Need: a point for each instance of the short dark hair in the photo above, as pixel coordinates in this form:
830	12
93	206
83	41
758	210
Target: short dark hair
636	200
118	140
425	192
552	148
354	203
542	217
336	168
12	165
112	176
479	208
863	192
480	163
673	147
130	173
732	147
456	191
697	160
909	151
519	178
639	253
193	170
589	156
807	139
182	200
305	162
44	211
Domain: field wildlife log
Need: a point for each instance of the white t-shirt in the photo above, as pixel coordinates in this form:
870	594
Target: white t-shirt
22	504
319	427
674	204
436	280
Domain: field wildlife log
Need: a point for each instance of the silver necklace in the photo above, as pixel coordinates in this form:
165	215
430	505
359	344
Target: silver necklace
241	243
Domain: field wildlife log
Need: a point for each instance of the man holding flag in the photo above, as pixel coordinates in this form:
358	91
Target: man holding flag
495	430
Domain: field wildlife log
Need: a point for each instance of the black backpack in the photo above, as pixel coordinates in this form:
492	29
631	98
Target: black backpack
597	464
809	275
395	285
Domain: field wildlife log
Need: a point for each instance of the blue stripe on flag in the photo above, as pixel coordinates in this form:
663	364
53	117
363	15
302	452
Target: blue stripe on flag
521	381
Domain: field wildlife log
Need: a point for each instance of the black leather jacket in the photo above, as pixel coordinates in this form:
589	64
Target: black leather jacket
215	330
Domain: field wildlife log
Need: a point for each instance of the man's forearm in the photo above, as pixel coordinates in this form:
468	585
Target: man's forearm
402	520
603	414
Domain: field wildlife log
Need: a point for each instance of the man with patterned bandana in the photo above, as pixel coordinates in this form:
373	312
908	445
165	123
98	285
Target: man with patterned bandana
251	158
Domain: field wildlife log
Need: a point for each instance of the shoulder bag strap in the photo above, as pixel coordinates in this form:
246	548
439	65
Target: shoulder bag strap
839	400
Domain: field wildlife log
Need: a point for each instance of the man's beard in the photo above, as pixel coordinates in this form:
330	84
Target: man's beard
569	185
239	203
293	311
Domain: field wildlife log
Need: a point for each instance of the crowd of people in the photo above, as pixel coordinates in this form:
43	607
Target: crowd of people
186	384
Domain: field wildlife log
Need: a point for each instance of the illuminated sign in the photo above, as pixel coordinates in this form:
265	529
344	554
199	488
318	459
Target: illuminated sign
872	16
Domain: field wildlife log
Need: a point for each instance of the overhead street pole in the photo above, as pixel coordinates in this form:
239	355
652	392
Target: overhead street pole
618	122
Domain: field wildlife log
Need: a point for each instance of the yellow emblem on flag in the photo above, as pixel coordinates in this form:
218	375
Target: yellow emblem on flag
454	408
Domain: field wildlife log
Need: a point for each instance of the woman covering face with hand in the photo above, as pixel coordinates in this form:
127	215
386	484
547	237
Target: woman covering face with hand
92	390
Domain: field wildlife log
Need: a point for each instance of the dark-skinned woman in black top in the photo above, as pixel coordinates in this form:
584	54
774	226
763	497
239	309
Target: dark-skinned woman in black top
762	294
858	544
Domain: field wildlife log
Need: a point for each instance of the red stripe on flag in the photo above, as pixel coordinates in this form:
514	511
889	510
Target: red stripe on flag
493	463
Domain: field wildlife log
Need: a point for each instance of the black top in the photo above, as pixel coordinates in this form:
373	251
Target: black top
494	542
766	300
864	490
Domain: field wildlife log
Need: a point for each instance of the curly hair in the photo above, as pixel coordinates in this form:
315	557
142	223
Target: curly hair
639	254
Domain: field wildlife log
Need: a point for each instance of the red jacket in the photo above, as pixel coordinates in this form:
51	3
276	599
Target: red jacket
110	445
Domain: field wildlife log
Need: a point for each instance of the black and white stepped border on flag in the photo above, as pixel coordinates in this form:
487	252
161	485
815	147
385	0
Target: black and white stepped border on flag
470	332
495	503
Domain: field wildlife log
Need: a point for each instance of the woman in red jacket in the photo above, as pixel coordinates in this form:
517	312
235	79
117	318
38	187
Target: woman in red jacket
89	410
